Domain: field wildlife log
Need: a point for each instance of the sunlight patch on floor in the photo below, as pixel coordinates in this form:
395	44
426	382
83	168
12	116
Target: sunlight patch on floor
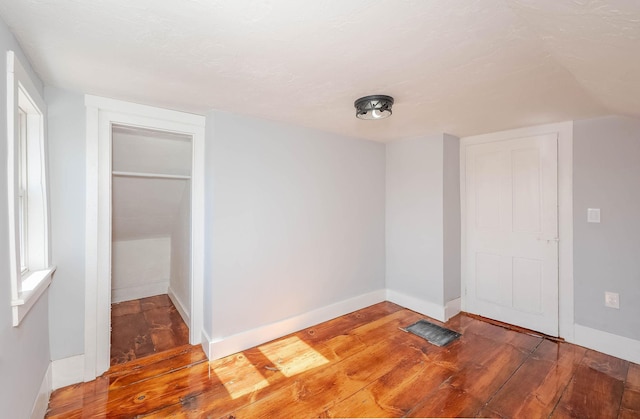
240	377
292	356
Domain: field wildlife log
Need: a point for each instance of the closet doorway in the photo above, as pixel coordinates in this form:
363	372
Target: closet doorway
144	220
150	241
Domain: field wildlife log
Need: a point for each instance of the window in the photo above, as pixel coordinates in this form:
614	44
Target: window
22	188
31	269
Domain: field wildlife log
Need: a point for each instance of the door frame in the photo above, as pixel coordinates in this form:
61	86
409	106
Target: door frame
101	114
564	130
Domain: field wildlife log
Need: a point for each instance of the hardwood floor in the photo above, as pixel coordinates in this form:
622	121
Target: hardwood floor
146	326
363	365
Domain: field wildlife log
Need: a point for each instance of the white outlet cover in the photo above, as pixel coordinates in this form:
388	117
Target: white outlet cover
593	215
612	299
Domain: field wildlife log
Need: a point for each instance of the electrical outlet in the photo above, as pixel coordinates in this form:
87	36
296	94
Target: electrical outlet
612	299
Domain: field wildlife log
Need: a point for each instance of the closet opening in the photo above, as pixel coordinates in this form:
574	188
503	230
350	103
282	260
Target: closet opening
150	241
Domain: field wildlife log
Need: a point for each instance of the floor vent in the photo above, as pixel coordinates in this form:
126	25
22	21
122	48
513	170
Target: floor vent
435	334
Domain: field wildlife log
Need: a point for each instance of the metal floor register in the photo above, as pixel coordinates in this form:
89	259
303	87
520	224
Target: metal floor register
435	334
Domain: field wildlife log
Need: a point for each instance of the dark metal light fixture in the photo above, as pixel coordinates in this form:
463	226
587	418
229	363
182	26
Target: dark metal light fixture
373	107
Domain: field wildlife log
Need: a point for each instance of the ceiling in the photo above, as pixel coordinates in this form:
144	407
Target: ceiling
458	66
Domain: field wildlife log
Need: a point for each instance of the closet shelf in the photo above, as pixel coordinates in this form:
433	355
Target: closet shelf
149	175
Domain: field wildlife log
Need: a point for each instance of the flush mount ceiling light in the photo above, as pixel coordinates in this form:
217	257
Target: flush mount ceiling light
373	107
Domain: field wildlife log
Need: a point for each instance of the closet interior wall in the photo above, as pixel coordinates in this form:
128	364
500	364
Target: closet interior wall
151	216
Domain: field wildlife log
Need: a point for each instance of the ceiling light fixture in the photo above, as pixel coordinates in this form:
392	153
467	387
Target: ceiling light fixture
373	107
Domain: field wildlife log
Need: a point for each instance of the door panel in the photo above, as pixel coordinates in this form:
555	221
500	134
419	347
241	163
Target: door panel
527	285
526	191
511	267
493	282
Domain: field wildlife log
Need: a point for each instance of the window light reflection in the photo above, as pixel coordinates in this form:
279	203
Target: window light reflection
240	377
292	356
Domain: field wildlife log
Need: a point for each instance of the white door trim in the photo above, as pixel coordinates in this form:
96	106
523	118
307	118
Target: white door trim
565	211
101	114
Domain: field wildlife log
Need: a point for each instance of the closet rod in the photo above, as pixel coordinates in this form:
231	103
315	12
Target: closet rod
149	175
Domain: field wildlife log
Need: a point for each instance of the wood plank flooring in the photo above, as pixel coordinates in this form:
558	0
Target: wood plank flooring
363	365
146	326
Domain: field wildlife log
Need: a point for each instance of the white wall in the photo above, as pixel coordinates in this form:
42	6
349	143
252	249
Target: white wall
179	283
416	203
147	151
24	350
140	268
66	119
296	221
151	219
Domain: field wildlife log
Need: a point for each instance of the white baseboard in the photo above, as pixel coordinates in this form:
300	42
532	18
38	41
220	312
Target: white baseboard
184	313
206	344
610	344
41	404
428	308
119	295
224	346
67	371
452	308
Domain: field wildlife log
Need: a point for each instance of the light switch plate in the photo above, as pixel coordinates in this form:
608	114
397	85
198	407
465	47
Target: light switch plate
612	299
593	215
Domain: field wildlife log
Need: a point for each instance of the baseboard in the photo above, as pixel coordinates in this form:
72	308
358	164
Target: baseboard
119	295
241	341
428	308
452	308
610	344
206	344
184	313
67	371
42	400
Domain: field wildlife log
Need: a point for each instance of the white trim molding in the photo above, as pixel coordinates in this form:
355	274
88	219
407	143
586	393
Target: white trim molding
564	130
608	343
136	292
67	371
38	282
228	345
182	309
451	308
206	344
41	404
424	307
102	113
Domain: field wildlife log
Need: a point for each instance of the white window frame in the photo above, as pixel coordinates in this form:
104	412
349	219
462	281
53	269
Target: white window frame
23	185
27	191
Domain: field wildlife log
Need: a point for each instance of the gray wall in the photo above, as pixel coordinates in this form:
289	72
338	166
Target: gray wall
606	175
67	133
297	220
451	217
414	214
24	350
423	218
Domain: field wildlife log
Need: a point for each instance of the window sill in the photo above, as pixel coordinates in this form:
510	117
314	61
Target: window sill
33	286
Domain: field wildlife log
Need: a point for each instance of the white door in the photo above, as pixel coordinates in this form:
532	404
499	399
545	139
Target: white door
511	262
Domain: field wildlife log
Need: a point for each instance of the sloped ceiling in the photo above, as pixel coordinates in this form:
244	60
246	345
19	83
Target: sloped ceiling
457	66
